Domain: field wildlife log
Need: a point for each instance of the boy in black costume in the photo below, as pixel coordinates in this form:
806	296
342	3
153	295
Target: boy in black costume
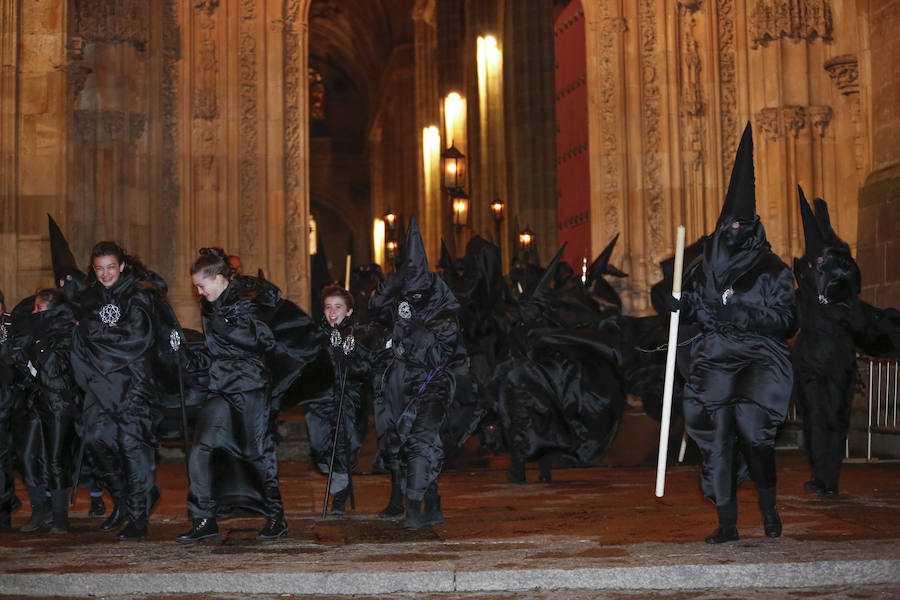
419	382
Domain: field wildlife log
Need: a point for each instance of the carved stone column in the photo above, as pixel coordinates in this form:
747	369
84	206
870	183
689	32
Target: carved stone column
429	211
530	116
9	42
605	29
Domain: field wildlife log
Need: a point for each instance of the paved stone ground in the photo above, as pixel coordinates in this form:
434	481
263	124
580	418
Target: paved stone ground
596	533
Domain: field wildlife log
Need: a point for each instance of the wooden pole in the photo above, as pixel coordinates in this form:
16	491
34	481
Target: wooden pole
670	369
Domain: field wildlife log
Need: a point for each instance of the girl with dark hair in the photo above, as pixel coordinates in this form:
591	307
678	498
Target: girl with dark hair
233	467
350	361
52	405
114	357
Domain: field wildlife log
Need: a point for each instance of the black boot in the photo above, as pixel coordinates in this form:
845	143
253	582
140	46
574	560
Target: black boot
115	519
153	499
274	529
415	518
727	530
59	502
202	530
41	513
545	464
771	520
433	513
98	507
394	508
516	472
5	522
135	531
339	501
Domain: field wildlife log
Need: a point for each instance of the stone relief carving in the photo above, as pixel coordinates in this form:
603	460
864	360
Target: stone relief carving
294	85
206	64
76	76
844	71
105	127
248	128
727	85
792	19
775	121
794	119
114	21
612	26
820	117
691	112
768	122
650	121
168	92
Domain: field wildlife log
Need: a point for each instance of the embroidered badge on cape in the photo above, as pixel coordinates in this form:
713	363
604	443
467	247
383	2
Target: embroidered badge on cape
110	314
726	295
335	338
349	344
404	310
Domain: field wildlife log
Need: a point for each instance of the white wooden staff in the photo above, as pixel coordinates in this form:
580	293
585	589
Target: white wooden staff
670	369
347	274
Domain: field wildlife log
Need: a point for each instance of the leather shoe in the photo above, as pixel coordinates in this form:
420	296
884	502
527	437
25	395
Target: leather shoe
813	486
115	519
98	507
339	502
202	530
135	531
723	534
274	529
828	492
772	524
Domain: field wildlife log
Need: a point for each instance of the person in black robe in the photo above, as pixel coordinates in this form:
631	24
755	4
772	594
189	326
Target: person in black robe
824	353
559	393
7	383
233	466
115	345
741	296
350	363
53	406
419	383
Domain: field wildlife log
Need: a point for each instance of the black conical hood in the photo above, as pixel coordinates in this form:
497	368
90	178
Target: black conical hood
601	265
63	260
815	243
829	235
542	289
446	262
740	201
415	271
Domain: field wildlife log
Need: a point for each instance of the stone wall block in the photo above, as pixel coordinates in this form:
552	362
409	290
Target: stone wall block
871	264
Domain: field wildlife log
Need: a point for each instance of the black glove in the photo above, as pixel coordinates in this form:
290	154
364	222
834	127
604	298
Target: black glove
671	303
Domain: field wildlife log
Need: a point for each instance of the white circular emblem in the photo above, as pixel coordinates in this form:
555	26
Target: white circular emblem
174	340
335	338
726	295
110	314
823	299
349	344
3	333
404	310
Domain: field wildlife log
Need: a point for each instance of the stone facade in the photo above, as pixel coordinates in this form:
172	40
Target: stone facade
174	124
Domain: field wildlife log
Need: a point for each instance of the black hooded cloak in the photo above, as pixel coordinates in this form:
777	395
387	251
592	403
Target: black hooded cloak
8	385
116	343
53	400
419	381
741	296
559	391
258	344
824	353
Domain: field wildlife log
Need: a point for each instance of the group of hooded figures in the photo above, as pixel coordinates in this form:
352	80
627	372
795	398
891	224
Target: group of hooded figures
539	363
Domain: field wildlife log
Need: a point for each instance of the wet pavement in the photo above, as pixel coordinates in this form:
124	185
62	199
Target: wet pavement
590	530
